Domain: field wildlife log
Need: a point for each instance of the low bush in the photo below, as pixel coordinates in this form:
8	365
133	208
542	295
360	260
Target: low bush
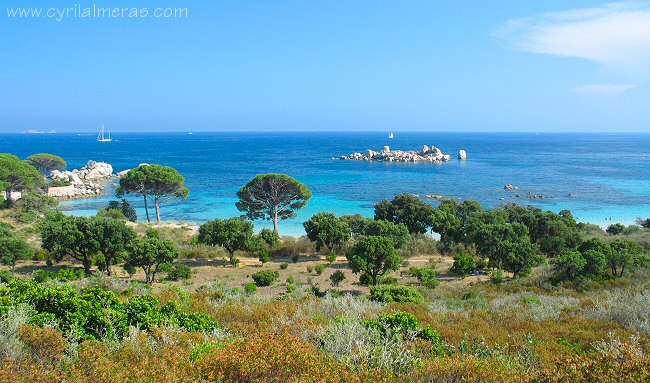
463	264
319	269
337	277
404	325
284	265
265	277
180	271
395	293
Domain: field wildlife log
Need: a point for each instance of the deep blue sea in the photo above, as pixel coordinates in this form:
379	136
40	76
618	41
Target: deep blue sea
597	176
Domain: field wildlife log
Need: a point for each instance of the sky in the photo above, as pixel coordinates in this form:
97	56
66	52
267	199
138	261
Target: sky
327	65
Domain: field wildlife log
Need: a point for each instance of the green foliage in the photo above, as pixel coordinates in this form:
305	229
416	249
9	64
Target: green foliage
82	237
373	256
12	246
497	277
63	275
6	276
284	265
264	255
265	277
155	182
568	265
149	253
326	229
398	233
319	269
46	162
463	264
272	197
250	288
120	209
615	229
232	234
179	272
17	175
357	223
427	276
644	223
269	237
625	255
95	313
507	246
36	202
395	293
331	257
406	209
402	325
337	277
450	221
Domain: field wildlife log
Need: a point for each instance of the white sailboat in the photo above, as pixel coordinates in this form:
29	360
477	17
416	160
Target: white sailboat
101	137
391	135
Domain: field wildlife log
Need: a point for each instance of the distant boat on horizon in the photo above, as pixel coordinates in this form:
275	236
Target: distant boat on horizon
391	135
102	138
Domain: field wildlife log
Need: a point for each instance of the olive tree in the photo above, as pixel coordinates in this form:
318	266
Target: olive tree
232	234
272	197
149	252
12	246
373	256
406	209
326	229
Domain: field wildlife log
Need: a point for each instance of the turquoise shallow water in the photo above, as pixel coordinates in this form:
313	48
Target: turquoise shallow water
607	174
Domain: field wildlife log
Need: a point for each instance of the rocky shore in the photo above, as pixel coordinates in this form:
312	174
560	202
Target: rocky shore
426	154
89	181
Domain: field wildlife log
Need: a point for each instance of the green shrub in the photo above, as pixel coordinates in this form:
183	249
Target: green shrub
337	277
497	277
264	255
295	257
427	277
291	288
284	265
250	288
319	269
291	280
395	293
331	257
403	325
463	264
179	271
6	276
310	268
265	277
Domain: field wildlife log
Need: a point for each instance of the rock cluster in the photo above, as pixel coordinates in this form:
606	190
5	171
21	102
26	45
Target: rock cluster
462	155
427	154
511	187
84	182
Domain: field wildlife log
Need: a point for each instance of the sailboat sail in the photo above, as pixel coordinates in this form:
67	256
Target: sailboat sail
101	137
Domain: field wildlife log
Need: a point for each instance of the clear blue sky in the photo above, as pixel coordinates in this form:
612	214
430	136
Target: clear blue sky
330	65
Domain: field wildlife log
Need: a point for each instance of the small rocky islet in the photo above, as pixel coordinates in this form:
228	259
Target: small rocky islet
89	181
430	154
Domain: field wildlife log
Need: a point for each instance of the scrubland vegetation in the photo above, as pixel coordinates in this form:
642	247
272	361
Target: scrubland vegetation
453	293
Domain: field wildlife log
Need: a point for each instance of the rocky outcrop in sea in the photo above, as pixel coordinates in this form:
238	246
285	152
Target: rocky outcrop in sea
89	181
426	154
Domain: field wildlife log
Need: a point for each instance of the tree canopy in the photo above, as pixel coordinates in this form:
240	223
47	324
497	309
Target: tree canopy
406	209
17	175
153	181
373	256
149	252
326	229
398	233
46	162
232	234
12	246
69	236
272	197
113	237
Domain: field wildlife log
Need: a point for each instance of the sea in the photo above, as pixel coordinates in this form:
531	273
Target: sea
601	178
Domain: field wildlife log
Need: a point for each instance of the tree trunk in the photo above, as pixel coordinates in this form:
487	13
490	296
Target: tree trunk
146	207
374	279
157	209
232	257
275	223
86	263
8	192
109	272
